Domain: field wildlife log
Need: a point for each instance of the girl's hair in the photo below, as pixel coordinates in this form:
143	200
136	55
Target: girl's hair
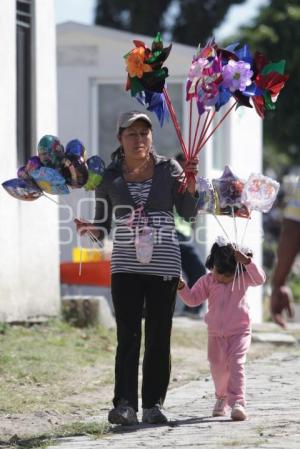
222	258
118	154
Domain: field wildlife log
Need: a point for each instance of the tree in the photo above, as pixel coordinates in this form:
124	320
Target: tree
276	33
144	17
185	21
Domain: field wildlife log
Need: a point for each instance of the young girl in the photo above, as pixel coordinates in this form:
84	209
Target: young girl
228	321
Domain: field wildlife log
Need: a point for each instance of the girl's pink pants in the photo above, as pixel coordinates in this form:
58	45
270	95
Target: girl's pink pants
227	357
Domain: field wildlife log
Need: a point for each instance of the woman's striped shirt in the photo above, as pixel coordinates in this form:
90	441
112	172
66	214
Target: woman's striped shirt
166	253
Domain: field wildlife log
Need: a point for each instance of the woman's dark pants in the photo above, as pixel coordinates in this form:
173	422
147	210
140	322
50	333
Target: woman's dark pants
154	296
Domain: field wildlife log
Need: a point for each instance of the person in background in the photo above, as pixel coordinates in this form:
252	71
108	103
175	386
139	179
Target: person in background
228	321
191	263
138	194
288	248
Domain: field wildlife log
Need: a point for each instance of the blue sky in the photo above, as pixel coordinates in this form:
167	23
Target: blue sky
83	11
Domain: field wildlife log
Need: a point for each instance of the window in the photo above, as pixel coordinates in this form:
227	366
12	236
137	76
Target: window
24	80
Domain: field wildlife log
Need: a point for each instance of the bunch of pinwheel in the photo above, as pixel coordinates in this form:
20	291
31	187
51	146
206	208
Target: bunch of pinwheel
217	76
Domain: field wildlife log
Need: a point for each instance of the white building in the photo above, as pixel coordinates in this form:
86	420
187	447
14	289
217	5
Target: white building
91	94
29	240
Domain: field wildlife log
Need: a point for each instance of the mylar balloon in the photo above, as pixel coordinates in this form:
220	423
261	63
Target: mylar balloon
51	151
50	180
96	165
22	173
207	197
76	148
229	189
22	190
93	181
33	164
75	171
260	192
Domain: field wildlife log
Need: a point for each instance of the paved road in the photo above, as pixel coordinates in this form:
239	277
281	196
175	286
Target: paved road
273	392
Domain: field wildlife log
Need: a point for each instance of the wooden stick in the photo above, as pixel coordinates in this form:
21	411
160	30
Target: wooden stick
175	122
205	128
190	130
196	134
215	128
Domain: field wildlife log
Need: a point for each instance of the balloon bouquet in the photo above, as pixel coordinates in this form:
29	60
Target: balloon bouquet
234	197
217	77
55	171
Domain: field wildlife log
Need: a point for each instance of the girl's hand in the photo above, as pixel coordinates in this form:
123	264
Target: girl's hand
85	227
181	284
241	257
191	170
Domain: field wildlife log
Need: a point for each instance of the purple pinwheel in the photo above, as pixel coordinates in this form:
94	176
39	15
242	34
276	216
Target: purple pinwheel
237	75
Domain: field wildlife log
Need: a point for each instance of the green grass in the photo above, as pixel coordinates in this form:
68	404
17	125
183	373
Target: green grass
42	362
93	429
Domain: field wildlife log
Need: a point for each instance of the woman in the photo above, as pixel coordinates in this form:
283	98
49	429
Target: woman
138	193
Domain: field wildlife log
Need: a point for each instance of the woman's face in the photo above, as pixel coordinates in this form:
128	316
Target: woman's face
225	278
136	140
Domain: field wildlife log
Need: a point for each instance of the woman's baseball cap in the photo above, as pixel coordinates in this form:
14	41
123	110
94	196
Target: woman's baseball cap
128	118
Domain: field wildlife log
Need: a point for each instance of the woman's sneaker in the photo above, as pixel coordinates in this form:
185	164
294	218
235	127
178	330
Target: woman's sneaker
220	407
238	412
123	414
153	415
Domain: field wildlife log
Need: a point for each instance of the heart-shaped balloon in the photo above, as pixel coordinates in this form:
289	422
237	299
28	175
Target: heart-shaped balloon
75	171
76	148
260	192
50	181
50	151
22	190
33	163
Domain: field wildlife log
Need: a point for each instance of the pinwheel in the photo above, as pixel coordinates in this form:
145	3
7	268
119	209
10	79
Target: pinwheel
146	81
216	76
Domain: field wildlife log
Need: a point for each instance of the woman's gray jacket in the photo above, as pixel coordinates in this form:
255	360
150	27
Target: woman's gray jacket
113	196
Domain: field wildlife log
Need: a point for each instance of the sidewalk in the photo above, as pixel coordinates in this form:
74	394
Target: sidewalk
273	393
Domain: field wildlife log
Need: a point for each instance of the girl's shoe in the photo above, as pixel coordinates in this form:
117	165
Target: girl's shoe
220	407
238	412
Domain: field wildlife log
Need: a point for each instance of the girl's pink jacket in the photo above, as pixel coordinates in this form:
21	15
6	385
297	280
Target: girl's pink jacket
228	311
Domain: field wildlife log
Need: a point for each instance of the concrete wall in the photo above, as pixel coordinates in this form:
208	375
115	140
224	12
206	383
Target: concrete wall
29	262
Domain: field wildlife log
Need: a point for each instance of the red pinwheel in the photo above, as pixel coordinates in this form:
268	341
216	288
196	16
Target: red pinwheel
270	79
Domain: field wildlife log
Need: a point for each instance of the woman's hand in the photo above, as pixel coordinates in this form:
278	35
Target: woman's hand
241	257
85	227
181	284
191	170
